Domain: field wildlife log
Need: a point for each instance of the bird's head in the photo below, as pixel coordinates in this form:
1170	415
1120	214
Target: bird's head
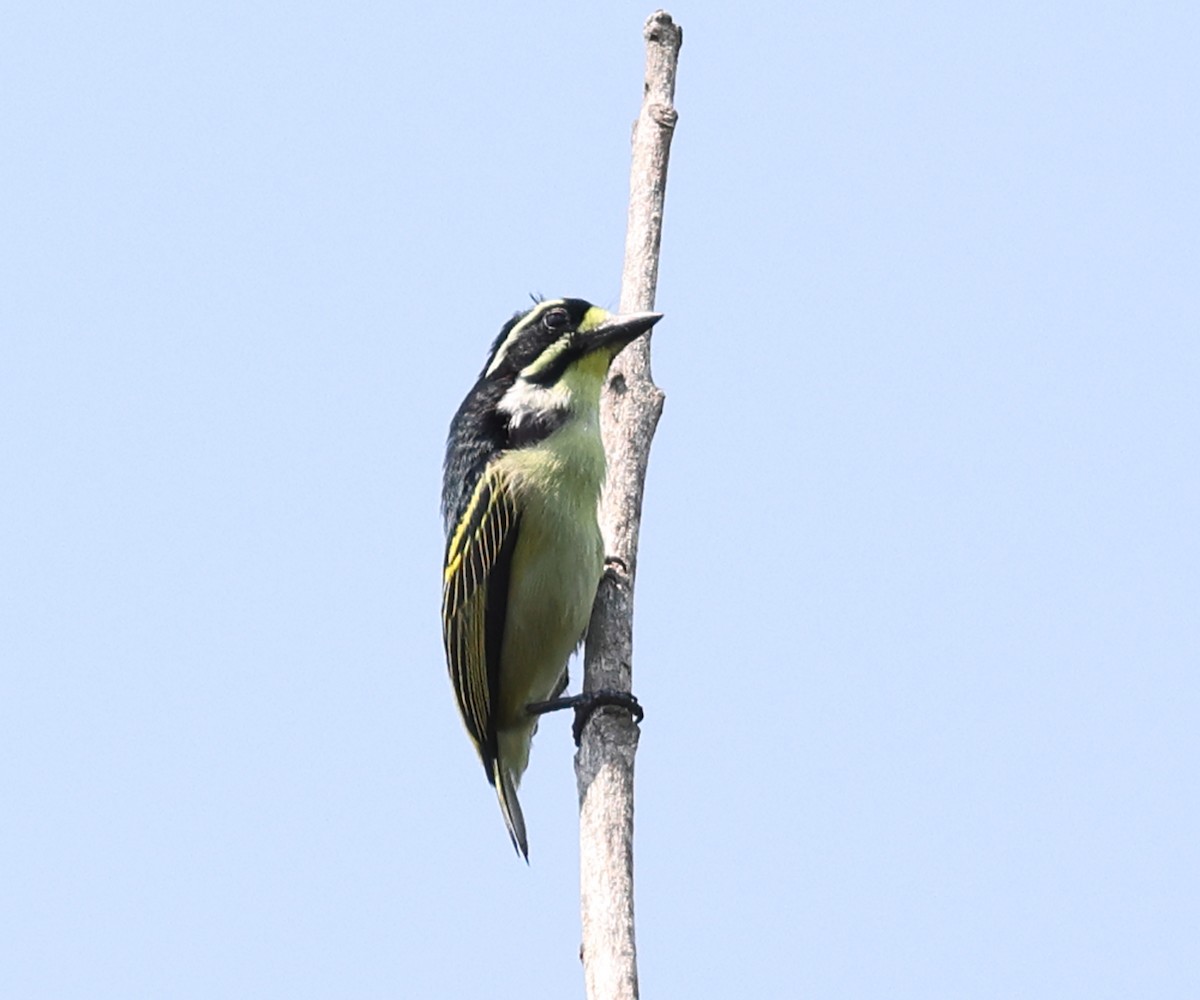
543	374
540	346
553	359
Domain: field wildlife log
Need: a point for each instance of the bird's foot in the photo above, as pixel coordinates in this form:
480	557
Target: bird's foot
616	568
585	706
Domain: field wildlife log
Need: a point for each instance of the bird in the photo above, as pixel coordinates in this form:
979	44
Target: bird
522	476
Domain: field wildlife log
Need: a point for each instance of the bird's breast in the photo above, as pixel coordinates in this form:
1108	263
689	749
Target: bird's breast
556	566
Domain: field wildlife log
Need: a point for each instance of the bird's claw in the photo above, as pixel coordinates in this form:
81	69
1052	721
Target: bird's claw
586	705
616	568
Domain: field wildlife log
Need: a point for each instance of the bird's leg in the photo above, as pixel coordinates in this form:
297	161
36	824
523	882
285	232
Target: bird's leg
585	706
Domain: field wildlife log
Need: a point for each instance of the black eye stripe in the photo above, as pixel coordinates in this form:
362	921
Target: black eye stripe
526	336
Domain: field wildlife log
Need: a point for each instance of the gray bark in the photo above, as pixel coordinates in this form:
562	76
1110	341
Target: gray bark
629	413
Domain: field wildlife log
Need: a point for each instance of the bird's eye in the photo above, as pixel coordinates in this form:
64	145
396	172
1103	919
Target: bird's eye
556	319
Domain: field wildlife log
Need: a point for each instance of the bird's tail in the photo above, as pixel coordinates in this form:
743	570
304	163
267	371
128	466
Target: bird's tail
506	792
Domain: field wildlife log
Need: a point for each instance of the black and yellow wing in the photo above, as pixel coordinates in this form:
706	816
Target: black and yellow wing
475	603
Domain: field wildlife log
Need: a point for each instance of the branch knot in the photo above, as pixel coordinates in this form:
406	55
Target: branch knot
663	115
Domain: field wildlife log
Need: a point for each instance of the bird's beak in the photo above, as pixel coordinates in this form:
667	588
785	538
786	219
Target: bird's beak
617	331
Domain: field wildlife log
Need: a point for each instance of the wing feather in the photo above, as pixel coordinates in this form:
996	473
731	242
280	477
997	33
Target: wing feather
474	605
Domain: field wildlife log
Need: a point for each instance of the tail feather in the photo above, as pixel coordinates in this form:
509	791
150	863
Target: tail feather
506	792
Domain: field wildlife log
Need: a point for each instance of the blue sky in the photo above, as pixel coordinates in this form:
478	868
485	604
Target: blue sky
917	608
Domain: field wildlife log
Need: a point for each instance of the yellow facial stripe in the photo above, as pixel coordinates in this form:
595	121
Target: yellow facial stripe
543	359
592	319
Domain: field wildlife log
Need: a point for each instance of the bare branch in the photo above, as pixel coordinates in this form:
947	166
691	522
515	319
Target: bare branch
629	413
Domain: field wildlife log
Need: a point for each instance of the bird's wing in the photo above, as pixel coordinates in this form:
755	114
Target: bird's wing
475	602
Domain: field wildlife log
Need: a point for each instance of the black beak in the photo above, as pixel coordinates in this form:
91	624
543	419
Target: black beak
617	331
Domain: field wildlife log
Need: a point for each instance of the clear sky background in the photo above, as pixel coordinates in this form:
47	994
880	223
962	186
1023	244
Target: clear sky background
917	623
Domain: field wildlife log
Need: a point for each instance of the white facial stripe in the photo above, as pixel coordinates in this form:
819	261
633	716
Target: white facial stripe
526	398
530	318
